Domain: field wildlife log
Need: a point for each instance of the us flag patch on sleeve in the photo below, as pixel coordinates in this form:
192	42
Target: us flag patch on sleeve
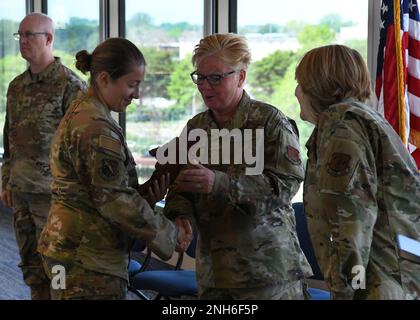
110	144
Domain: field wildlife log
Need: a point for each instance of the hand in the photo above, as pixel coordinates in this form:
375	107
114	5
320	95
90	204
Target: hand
197	179
157	190
6	198
185	234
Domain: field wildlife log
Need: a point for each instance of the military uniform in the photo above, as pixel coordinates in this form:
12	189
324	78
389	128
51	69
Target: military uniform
247	237
361	189
35	105
96	210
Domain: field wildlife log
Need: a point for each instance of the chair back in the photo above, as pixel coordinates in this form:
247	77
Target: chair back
192	247
305	240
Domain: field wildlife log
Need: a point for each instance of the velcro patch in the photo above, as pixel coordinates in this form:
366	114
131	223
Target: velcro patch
110	144
109	169
293	155
339	164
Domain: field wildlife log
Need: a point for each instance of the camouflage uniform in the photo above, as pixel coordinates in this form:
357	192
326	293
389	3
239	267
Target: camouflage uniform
35	105
96	211
361	189
247	238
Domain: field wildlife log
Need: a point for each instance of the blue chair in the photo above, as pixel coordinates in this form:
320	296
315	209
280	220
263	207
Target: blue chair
307	248
167	284
135	267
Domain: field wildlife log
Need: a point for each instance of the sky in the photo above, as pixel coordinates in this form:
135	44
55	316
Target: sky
282	11
278	11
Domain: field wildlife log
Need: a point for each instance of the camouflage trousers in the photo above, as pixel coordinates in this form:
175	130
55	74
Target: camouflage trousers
71	282
291	291
30	212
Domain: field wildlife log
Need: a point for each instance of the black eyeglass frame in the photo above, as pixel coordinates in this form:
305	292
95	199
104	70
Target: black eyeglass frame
210	78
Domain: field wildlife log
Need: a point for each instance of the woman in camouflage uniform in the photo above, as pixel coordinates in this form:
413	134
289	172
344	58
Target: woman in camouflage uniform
96	209
247	245
361	185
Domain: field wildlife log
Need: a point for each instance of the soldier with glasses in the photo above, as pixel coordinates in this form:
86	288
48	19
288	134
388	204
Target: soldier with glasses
36	101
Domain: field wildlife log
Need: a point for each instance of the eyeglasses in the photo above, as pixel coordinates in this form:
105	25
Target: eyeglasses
212	79
27	35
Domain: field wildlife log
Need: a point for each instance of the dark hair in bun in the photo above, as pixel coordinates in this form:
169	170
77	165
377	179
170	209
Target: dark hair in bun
117	56
83	61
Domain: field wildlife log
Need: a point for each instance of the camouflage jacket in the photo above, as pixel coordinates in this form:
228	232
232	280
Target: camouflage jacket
246	225
35	105
361	189
96	210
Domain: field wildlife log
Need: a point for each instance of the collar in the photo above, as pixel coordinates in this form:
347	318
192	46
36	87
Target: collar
239	118
312	138
103	110
49	73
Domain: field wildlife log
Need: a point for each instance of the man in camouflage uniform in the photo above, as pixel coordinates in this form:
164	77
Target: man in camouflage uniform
36	102
361	189
248	247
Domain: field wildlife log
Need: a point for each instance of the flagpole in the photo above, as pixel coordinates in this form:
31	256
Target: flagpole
400	72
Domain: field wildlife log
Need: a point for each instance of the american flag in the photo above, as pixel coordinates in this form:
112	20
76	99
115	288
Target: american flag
398	71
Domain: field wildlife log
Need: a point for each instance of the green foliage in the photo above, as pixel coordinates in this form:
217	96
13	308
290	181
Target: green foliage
286	101
69	61
160	65
175	30
293	27
335	22
140	19
265	73
359	45
8	45
269	28
10	68
78	34
312	36
142	28
183	91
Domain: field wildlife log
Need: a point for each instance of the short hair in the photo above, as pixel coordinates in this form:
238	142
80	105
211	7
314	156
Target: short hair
333	73
231	48
117	56
46	22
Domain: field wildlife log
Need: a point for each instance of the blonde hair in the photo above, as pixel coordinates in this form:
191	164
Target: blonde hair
232	49
330	74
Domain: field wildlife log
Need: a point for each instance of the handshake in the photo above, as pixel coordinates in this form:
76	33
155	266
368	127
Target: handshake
185	233
171	169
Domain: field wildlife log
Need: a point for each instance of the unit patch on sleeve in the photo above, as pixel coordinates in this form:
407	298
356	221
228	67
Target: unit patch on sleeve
109	169
293	155
339	164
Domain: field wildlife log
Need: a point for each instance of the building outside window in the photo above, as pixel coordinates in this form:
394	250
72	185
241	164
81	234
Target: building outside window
166	32
280	34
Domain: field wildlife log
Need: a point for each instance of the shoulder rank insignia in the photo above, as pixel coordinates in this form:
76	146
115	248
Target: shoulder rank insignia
339	164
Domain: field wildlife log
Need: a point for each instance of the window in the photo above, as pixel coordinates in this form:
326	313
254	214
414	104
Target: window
168	97
283	32
76	28
11	63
